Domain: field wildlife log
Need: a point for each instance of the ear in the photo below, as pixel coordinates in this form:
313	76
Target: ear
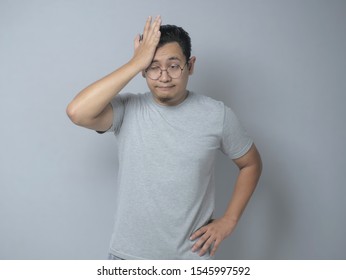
191	64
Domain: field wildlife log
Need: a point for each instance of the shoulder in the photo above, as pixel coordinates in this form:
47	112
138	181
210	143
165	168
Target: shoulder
130	96
214	110
209	111
128	99
210	103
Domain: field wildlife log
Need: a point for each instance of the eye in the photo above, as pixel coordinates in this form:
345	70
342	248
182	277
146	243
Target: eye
154	67
174	66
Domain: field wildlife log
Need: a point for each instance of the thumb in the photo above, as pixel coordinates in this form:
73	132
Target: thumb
137	41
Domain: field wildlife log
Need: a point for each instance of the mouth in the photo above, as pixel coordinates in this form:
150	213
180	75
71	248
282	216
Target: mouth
164	88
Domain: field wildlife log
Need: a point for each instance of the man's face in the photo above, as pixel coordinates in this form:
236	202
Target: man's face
165	90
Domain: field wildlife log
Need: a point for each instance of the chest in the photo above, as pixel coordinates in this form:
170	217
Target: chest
172	138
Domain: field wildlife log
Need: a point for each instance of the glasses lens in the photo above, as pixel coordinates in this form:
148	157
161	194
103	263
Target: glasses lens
174	71
155	72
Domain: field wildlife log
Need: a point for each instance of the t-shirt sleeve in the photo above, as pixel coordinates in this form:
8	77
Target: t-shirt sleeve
118	104
235	142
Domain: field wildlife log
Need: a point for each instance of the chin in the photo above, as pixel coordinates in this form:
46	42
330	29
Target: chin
166	95
164	98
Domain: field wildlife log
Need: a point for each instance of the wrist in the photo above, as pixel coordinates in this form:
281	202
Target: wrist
137	65
230	219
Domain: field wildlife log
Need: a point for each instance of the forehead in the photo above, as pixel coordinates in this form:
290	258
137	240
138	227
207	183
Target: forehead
167	52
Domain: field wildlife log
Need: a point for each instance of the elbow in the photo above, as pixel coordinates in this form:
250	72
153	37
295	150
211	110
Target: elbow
73	113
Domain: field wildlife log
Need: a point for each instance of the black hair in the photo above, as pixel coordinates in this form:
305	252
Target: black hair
173	33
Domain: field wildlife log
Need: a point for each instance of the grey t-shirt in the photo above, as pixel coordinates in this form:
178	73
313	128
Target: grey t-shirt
166	165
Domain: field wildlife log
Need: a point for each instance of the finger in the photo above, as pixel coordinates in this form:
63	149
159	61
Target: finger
157	21
206	246
151	29
215	247
157	24
200	242
137	41
147	26
198	233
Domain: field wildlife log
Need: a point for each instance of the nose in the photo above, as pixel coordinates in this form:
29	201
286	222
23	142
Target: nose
164	76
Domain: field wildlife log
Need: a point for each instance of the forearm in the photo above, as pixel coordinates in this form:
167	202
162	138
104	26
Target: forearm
92	100
90	108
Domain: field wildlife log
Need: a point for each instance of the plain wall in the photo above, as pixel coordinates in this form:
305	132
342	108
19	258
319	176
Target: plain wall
280	65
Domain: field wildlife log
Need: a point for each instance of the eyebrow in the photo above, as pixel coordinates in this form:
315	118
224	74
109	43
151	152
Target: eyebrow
169	59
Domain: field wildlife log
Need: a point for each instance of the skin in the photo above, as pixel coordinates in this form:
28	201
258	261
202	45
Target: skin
91	109
167	91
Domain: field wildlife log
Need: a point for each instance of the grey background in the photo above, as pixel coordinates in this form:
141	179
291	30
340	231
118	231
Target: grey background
279	64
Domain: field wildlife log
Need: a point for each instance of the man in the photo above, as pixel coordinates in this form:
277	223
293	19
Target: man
167	141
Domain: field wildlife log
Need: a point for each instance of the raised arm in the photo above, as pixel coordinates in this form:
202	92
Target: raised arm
91	107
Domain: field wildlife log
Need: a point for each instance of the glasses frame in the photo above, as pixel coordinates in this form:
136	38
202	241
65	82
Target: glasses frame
162	70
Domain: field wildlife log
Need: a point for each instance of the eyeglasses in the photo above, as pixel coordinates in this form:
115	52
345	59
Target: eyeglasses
174	71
